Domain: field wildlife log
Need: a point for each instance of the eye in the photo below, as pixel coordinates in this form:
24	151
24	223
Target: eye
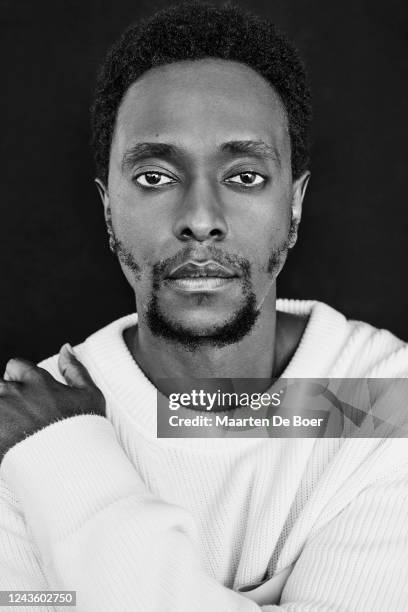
153	179
247	179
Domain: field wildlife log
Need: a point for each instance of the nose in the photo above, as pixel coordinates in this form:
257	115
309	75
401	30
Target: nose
200	215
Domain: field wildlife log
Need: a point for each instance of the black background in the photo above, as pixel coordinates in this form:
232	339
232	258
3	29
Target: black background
59	280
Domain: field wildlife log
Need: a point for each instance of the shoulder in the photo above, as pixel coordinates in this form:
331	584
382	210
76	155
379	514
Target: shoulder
372	352
341	347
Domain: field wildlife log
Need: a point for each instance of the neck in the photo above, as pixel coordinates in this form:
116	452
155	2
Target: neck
262	354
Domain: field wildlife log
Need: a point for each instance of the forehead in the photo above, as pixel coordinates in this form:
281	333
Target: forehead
200	104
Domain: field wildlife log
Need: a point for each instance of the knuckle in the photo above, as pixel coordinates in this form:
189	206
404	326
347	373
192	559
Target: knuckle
18	361
12	362
18	364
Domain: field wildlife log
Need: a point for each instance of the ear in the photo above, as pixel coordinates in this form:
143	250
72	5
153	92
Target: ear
104	195
299	190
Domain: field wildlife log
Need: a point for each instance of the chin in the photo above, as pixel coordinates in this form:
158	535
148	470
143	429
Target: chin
197	323
198	328
196	320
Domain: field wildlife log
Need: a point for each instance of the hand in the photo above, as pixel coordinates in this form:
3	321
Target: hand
31	399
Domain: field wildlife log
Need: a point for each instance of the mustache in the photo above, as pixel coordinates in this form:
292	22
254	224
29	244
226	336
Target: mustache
163	268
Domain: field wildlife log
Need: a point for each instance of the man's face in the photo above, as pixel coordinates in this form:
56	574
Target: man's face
200	198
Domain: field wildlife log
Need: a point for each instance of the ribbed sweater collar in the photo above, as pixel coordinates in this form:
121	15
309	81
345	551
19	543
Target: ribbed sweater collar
133	398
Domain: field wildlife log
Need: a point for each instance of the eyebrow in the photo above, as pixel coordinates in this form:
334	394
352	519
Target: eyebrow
145	150
254	148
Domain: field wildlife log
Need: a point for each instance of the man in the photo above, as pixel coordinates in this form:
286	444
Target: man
201	126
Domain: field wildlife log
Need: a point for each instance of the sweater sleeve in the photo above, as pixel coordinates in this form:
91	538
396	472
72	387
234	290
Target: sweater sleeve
122	548
19	558
358	561
100	531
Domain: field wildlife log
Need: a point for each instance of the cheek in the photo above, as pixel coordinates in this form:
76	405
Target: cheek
263	228
133	225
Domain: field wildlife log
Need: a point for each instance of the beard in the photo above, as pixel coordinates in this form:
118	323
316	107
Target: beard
228	332
236	327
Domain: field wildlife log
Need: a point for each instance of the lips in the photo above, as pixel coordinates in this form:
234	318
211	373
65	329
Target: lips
209	269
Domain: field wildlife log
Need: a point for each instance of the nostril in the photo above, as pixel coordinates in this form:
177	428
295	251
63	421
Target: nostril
186	233
216	232
201	233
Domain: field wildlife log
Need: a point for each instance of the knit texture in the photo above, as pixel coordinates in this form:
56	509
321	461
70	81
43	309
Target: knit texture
133	522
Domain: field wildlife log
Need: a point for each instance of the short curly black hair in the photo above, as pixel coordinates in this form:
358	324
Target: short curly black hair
192	31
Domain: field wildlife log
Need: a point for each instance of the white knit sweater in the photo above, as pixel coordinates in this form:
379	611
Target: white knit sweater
136	523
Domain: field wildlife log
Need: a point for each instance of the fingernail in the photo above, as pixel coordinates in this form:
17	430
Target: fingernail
6	376
69	348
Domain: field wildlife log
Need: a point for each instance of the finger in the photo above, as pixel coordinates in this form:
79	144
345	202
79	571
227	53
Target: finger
20	370
74	372
7	387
